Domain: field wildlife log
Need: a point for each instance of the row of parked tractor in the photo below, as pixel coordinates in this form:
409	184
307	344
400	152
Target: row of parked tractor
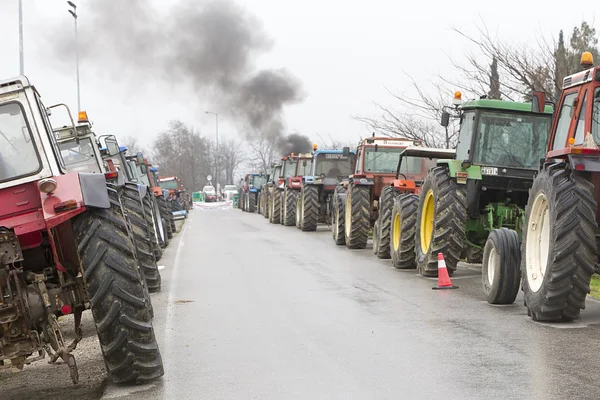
518	194
82	227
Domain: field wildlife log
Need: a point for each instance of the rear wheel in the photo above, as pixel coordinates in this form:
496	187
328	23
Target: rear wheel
170	216
134	212
252	202
338	217
309	208
376	237
289	207
404	225
164	213
155	230
275	210
441	220
558	252
500	272
116	292
357	216
386	203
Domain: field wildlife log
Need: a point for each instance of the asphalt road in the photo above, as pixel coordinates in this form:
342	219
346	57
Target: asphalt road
252	310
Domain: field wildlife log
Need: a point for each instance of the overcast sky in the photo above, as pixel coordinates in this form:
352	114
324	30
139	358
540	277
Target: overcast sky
343	52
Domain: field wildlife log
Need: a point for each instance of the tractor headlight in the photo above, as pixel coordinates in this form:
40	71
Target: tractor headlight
47	185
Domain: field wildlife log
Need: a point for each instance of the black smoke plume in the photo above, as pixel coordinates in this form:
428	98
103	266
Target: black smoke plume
294	143
212	45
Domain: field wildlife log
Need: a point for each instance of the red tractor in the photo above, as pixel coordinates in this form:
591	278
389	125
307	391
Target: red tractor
276	192
65	248
356	202
559	249
176	191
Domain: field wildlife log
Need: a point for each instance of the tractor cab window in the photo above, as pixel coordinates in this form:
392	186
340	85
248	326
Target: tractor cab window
304	167
382	159
276	173
564	121
416	167
596	117
79	157
334	165
172	184
465	136
289	168
18	155
258	181
579	131
132	171
511	139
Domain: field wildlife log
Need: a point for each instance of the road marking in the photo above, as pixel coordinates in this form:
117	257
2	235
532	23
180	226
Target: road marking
161	267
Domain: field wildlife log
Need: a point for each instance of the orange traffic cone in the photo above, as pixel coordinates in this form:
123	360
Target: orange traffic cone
444	281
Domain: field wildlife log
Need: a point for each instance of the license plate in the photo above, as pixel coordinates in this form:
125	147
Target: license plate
489	171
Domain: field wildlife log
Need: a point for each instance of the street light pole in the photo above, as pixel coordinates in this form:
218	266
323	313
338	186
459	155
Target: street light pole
21	57
73	12
217	149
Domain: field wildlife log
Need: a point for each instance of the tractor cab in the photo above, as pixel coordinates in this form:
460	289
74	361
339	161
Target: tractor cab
331	167
288	168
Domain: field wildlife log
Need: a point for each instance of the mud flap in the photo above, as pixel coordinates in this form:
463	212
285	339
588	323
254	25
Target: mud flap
93	189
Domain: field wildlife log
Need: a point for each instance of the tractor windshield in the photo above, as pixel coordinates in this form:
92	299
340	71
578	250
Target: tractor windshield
384	160
289	168
511	140
258	181
334	165
172	184
18	156
304	167
79	157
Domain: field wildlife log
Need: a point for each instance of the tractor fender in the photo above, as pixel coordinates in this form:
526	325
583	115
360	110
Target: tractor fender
142	189
93	189
363	182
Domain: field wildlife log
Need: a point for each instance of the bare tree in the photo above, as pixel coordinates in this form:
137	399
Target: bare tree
264	151
132	144
231	156
334	144
418	118
181	151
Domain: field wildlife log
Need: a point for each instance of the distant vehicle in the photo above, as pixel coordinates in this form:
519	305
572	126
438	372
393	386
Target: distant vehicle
210	194
229	191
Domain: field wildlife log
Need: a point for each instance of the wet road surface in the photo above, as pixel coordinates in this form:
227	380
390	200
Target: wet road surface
251	310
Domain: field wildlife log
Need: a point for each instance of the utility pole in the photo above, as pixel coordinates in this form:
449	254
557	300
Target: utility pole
217	149
21	57
73	12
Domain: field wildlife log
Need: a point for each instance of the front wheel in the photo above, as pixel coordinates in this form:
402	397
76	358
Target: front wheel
252	202
558	252
338	216
404	224
382	231
500	273
309	208
357	219
289	207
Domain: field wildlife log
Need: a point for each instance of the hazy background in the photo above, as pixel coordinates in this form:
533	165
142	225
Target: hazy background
339	53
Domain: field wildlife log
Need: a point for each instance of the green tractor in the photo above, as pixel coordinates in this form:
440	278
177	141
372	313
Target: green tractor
473	206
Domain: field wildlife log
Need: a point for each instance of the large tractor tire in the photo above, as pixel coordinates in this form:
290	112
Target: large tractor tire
252	202
309	207
383	231
441	220
264	202
170	218
404	226
164	213
134	212
117	299
275	207
357	216
338	216
500	272
153	221
558	251
289	207
299	211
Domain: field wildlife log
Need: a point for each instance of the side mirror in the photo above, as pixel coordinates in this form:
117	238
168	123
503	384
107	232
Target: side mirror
112	147
304	163
445	119
538	102
346	151
143	169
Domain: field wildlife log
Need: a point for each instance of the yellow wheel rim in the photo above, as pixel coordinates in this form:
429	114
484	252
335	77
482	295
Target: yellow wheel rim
427	216
396	232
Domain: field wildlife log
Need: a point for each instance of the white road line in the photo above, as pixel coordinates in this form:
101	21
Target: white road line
161	267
